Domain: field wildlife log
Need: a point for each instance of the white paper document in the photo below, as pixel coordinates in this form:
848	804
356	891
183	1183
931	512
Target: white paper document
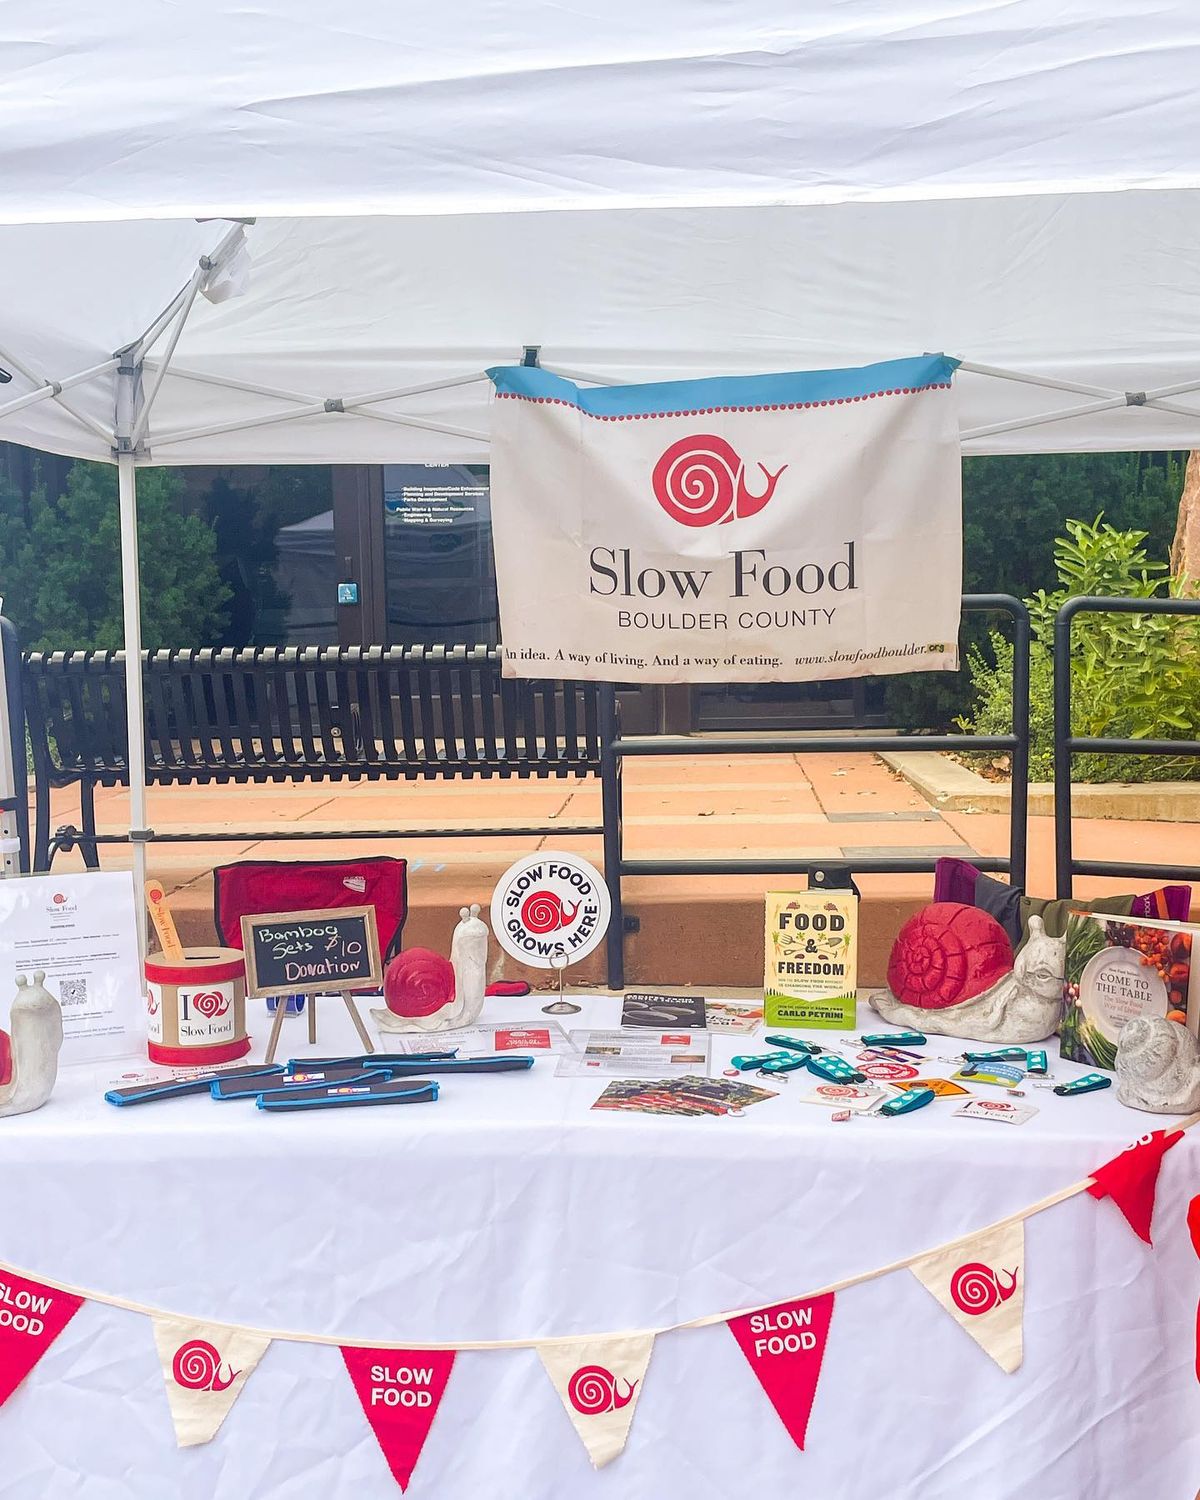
478	1041
82	930
635	1052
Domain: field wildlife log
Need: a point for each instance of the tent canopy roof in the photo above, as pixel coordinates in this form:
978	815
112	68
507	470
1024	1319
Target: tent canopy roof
646	192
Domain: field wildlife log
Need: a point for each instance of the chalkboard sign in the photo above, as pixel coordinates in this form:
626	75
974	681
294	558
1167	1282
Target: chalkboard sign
308	952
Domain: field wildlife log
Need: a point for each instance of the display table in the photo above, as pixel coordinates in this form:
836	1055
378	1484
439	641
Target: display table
510	1209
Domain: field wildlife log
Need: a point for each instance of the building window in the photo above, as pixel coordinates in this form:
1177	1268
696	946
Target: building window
440	574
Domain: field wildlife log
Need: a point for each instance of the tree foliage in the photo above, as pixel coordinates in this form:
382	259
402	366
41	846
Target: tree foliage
1014	508
60	565
1132	676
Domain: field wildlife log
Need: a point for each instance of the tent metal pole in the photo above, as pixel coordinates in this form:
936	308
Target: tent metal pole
128	376
160	374
581	375
56	387
1042	418
102	432
1022	378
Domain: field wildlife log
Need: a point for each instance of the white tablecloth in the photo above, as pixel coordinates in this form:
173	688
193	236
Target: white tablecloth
508	1209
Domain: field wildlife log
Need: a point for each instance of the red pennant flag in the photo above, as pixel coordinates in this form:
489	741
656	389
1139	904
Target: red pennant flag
31	1317
1130	1179
1193	1219
785	1345
400	1391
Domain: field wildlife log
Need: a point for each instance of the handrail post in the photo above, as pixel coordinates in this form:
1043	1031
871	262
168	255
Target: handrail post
1018	830
1063	853
610	801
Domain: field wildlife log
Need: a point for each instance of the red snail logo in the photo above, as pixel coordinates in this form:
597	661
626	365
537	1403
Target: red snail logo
152	1004
197	1367
592	1391
976	1289
701	481
59	898
543	911
210	1004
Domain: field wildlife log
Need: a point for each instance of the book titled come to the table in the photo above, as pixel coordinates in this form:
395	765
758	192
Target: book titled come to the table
812	959
1120	968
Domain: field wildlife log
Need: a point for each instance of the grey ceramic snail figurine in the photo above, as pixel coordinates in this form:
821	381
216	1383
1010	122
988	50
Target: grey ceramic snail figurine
1158	1066
35	1037
1024	1005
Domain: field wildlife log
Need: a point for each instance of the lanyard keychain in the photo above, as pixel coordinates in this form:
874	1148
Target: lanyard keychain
916	1097
1002	1054
1088	1084
835	1070
894	1039
794	1044
783	1062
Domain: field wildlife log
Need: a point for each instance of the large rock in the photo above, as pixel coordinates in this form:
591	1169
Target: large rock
1185	550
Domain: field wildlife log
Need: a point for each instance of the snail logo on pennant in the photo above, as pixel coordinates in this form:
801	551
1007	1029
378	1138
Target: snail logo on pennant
197	1367
988	1303
550	909
592	1390
599	1382
205	1368
701	480
975	1288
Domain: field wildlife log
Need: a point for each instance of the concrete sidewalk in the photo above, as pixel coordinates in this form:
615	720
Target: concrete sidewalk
692	929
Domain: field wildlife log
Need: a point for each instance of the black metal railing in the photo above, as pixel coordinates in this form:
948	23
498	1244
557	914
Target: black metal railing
1067	745
15	807
617	747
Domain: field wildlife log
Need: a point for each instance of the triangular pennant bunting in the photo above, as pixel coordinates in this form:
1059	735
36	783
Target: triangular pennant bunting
206	1367
400	1391
599	1381
31	1317
1131	1179
1193	1222
981	1284
785	1345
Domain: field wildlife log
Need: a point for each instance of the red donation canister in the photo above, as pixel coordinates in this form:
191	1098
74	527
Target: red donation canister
196	1010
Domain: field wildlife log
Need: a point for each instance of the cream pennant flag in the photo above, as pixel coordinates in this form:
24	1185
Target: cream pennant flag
205	1367
599	1381
981	1284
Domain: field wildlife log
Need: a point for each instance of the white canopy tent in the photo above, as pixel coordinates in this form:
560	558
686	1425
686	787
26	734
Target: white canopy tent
645	192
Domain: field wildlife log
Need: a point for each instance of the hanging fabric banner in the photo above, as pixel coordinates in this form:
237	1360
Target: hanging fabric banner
31	1317
785	1345
400	1391
1131	1179
767	528
981	1284
599	1381
206	1367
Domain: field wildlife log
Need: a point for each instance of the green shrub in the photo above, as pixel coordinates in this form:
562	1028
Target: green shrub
1132	676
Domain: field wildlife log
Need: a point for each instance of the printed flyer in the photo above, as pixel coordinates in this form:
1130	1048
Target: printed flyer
82	931
812	959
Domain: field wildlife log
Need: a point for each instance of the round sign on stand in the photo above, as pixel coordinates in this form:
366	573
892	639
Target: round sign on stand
550	910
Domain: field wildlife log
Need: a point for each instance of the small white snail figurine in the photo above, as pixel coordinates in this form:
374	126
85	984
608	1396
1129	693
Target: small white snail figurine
1158	1066
30	1064
468	957
424	992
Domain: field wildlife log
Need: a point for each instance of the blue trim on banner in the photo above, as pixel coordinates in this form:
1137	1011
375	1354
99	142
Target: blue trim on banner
727	392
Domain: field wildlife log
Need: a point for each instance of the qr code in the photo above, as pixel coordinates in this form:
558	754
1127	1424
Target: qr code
72	993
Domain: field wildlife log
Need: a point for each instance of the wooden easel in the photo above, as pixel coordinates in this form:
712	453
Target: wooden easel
362	968
311	1007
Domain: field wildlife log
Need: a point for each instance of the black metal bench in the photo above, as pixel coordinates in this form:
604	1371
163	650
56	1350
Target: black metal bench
318	714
